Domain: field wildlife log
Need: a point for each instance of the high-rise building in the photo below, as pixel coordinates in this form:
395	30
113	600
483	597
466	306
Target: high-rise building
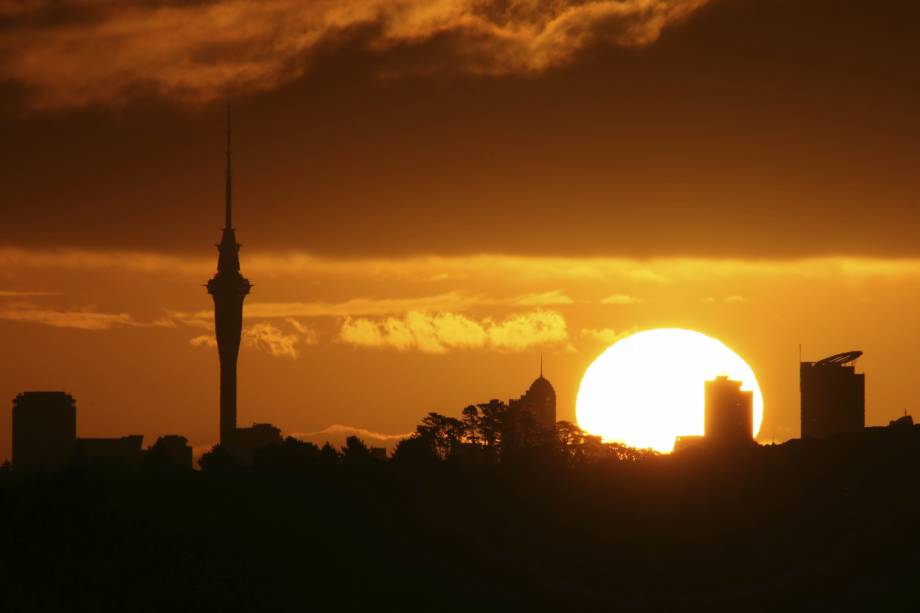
728	413
833	396
228	288
44	429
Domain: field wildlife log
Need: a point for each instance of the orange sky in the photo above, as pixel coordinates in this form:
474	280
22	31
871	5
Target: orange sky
432	193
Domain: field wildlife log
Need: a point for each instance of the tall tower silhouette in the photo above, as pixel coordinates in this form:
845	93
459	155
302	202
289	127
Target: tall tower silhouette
228	288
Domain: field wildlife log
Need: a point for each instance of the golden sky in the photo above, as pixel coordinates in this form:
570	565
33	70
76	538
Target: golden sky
432	193
376	343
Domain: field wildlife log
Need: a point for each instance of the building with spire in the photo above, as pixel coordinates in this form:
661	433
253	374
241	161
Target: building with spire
228	288
539	401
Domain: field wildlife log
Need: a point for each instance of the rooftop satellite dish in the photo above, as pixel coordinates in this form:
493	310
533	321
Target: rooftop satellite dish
840	359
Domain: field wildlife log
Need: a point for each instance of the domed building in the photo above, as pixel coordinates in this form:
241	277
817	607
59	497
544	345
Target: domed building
539	401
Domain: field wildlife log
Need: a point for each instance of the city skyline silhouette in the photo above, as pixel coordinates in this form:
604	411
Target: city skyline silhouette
584	305
538	208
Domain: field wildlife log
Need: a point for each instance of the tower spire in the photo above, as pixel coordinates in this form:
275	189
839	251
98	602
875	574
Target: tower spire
541	364
229	196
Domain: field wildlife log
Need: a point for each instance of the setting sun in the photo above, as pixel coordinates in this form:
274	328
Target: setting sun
647	389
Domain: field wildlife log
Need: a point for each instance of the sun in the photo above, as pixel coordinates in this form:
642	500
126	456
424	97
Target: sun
647	389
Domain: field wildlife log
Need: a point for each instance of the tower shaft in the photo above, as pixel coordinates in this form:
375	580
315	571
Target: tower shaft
228	288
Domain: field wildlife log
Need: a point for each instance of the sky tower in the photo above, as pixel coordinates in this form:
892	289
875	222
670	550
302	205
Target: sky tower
228	288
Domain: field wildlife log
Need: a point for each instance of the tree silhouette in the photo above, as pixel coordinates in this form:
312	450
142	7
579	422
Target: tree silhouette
290	454
356	454
443	434
329	456
218	460
483	425
414	451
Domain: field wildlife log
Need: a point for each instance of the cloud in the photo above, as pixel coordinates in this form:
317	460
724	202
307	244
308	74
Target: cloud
203	320
79	319
204	340
364	306
443	332
268	338
607	336
13	294
308	335
354	307
727	300
623	299
73	53
289	311
553	298
337	433
520	332
272	340
493	266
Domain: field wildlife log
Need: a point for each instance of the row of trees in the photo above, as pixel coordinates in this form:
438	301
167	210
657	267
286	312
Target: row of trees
492	433
489	433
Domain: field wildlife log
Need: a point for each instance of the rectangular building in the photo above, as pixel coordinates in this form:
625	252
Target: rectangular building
728	413
44	429
833	396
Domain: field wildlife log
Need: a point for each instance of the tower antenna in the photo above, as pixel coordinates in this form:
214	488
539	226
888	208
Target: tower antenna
541	364
229	197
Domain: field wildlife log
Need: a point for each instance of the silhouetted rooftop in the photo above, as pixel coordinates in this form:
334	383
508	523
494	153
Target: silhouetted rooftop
542	386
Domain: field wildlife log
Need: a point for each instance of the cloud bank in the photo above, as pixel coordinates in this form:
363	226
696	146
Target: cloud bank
72	53
443	332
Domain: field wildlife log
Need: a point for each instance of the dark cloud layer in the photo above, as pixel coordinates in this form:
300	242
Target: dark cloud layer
81	52
750	128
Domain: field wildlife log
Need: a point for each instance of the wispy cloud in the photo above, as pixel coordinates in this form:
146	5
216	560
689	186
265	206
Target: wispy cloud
622	299
337	433
607	336
269	338
364	306
12	258
203	340
735	299
80	319
448	302
16	294
372	307
465	267
273	340
551	298
81	52
308	334
443	332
